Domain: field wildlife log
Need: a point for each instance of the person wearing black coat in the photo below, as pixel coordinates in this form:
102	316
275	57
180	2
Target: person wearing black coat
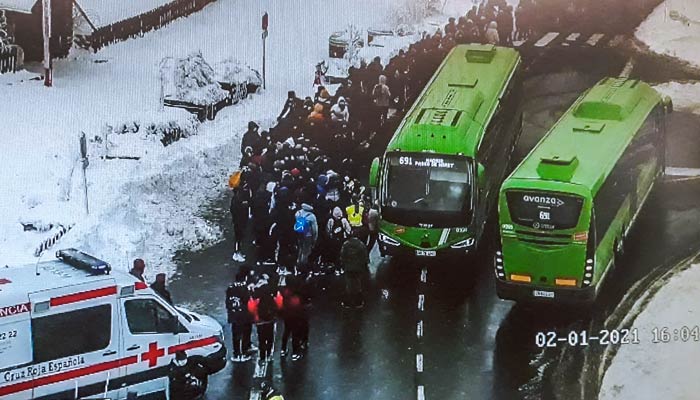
159	287
291	106
264	310
252	139
237	296
240	211
260	211
187	377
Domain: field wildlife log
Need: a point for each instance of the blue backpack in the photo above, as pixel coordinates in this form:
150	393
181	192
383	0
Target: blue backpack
302	225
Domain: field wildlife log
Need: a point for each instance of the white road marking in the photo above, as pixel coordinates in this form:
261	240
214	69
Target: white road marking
421	301
546	39
255	395
687	172
593	40
629	67
518	43
443	237
421	392
573	37
260	369
419	329
424	275
419	362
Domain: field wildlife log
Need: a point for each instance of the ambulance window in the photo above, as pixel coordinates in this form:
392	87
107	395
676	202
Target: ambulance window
71	333
148	316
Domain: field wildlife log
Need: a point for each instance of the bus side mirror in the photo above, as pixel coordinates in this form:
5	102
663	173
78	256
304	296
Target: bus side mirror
374	173
668	104
480	175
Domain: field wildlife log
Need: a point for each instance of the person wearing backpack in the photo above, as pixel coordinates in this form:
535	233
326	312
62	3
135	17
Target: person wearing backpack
337	230
237	297
306	227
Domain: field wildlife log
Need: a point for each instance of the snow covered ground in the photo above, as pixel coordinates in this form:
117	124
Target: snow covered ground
673	28
151	207
650	371
665	370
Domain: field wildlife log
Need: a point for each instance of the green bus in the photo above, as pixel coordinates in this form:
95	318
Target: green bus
565	211
440	174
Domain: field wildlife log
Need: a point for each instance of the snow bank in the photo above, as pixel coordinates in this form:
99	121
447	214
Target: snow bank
649	371
673	28
235	71
686	96
151	207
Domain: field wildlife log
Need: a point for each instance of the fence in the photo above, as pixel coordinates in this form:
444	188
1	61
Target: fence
140	24
8	59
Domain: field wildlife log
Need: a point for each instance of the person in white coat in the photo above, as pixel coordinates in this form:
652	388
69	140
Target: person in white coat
340	112
492	34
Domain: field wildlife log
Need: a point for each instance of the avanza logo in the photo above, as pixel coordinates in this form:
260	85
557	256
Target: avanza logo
552	201
14	310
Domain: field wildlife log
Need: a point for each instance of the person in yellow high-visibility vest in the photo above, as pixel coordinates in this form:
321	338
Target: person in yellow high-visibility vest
356	218
269	393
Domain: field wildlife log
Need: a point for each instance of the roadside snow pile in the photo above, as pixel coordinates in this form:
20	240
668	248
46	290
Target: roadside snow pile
146	133
673	28
191	79
649	371
234	71
686	96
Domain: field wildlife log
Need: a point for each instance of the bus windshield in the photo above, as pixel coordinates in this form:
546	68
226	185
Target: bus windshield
544	210
427	189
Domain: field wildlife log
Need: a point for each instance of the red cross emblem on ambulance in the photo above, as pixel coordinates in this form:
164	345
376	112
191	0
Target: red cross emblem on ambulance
153	354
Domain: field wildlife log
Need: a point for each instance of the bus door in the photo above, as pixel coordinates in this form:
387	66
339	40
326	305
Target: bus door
149	331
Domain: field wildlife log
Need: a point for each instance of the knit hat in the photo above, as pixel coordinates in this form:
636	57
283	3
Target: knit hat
295	172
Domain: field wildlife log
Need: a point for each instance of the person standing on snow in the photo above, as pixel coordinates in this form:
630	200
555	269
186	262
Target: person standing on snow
252	139
237	296
291	106
240	212
306	227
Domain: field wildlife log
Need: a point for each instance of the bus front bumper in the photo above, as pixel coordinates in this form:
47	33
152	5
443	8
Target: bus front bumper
545	294
422	254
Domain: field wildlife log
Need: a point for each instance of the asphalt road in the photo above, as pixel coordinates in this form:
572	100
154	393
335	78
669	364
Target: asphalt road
472	345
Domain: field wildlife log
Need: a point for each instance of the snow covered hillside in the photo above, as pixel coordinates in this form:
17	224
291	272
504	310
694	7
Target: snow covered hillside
673	28
151	207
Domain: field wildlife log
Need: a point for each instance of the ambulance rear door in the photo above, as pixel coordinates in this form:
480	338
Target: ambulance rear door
75	341
15	349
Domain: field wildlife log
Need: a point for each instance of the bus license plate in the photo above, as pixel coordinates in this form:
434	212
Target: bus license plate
543	293
426	253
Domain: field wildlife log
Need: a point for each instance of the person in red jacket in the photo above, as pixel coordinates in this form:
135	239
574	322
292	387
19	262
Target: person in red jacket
263	308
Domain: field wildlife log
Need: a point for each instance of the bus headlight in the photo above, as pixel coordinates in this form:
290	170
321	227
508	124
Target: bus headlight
588	275
388	240
463	244
498	265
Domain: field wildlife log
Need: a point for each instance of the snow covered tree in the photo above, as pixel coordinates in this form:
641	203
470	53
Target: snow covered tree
410	12
355	40
5	38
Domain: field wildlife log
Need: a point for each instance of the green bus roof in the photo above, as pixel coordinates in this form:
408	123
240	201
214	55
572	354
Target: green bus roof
584	145
456	106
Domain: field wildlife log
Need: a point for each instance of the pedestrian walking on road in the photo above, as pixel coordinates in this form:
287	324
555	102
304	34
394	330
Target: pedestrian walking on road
355	260
237	297
492	36
382	98
293	303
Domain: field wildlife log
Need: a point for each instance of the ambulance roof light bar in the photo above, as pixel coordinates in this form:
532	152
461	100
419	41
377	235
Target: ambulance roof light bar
84	261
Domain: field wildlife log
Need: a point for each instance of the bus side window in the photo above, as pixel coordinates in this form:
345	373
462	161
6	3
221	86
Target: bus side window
146	316
66	334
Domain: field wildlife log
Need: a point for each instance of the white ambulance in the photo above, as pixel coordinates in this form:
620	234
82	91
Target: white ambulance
71	329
